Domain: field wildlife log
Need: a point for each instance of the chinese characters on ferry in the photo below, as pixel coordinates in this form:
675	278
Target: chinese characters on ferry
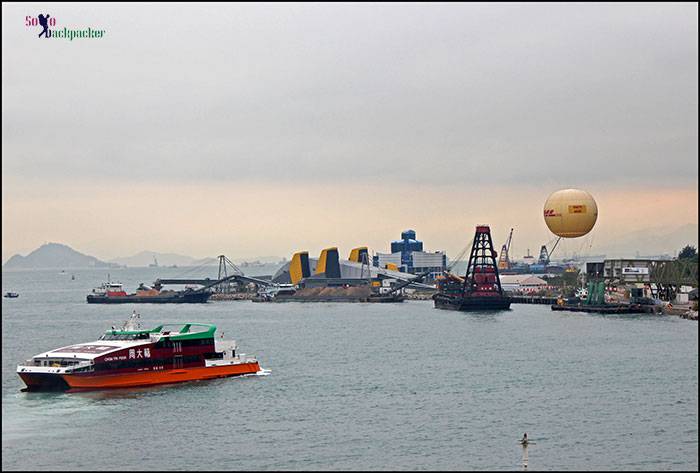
138	353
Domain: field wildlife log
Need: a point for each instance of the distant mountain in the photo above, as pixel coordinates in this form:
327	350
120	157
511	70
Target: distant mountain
260	259
55	255
210	261
651	241
146	258
254	261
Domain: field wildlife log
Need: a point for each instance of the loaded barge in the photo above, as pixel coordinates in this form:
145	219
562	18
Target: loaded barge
133	356
113	293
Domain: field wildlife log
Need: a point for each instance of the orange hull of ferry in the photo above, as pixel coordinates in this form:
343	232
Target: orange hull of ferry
149	378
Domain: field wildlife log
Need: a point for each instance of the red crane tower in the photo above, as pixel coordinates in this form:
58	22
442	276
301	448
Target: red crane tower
481	288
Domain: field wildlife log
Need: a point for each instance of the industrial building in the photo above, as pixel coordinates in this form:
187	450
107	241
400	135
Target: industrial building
523	283
663	278
329	270
407	255
627	270
622	271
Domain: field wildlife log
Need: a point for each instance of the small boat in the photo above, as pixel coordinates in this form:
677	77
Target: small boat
133	356
275	292
11	295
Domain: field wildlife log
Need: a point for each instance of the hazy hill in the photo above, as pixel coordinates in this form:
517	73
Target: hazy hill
55	255
254	261
144	258
260	259
650	242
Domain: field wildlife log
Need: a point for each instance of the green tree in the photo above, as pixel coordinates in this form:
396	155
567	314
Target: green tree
571	278
688	252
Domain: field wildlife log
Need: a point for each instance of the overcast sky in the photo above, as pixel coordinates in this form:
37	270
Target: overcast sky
261	129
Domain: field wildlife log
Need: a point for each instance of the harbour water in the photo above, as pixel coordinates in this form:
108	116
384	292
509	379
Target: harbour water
360	386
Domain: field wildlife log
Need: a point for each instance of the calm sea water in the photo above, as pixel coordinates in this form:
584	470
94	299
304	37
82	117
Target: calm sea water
360	386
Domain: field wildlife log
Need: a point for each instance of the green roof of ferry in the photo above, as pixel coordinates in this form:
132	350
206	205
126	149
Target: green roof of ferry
183	334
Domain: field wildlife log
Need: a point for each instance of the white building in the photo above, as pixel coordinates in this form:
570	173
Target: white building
522	283
389	258
420	262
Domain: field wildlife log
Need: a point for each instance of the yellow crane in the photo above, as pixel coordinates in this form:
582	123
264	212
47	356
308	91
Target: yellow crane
503	259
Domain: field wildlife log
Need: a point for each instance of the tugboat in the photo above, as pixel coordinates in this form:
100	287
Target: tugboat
113	293
11	295
480	289
133	356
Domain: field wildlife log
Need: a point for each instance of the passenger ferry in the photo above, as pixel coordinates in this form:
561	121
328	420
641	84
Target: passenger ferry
132	356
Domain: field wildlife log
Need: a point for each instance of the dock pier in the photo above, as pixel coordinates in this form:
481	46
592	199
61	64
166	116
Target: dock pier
533	300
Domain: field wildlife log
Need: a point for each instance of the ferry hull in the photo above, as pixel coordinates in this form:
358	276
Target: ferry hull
64	382
44	382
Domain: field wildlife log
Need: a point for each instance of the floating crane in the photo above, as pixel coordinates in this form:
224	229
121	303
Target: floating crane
480	289
503	259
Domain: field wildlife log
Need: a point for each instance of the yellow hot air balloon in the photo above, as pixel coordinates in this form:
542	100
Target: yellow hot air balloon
570	213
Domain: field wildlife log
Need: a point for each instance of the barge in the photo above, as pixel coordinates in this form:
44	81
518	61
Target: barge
113	293
607	308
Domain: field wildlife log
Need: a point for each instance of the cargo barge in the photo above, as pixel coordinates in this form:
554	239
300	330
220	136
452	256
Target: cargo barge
608	308
113	293
289	293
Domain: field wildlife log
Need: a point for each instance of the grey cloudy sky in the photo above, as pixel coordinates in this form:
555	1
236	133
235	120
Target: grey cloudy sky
472	95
